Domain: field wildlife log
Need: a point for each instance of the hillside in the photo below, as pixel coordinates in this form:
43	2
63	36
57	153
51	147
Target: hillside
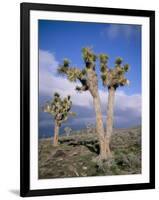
75	155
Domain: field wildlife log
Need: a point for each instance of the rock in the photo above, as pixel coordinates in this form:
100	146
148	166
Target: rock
74	153
84	167
60	159
83	174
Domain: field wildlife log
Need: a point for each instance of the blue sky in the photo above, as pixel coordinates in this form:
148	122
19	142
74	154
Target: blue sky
59	39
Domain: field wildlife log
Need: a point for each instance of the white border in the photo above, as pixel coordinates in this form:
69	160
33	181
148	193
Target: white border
86	181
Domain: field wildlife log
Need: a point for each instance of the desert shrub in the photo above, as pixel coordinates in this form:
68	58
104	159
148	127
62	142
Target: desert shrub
122	160
128	161
134	161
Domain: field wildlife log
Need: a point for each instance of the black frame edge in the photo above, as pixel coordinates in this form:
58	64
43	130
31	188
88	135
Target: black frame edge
87	9
152	98
93	189
24	102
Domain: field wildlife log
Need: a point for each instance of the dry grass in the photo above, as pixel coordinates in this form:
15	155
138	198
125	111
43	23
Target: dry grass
75	155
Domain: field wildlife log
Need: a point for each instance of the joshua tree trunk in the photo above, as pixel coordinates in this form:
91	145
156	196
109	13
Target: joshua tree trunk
56	134
93	88
104	145
110	113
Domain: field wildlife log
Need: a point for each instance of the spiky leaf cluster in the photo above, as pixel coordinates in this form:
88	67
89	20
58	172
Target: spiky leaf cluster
89	57
73	73
59	108
113	77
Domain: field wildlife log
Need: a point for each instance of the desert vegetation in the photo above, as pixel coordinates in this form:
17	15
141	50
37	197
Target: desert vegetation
89	81
112	78
96	150
76	155
60	110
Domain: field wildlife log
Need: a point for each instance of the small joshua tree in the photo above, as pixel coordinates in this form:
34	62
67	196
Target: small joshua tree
89	128
67	131
89	82
60	109
112	79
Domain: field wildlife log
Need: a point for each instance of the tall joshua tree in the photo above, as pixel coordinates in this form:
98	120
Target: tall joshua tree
60	109
112	79
89	82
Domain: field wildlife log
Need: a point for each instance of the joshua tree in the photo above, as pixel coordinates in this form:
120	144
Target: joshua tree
89	127
112	79
67	131
60	109
89	82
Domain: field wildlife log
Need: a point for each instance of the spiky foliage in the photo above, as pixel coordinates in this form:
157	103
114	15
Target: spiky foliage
68	130
73	73
59	108
89	57
113	77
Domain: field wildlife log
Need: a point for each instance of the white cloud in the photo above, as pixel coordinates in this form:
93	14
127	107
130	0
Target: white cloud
124	102
47	61
115	30
50	82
